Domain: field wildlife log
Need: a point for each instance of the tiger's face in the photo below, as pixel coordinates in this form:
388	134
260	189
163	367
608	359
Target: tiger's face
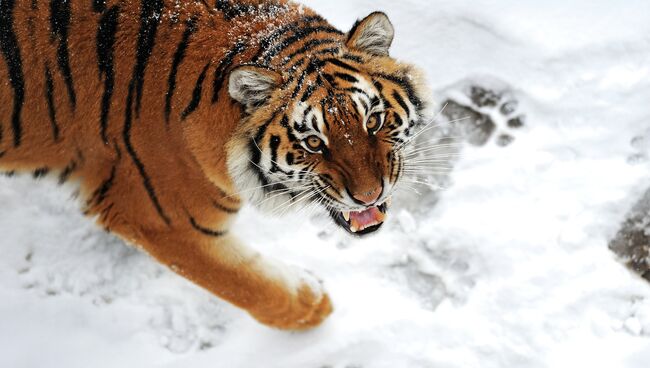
331	134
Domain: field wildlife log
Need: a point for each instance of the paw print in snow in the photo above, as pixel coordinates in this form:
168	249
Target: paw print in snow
481	113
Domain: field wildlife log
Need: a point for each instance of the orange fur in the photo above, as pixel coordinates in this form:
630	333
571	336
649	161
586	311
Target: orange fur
162	180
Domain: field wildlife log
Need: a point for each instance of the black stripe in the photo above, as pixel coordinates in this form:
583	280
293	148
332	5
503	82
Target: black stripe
402	103
313	67
226	196
179	55
391	165
274	144
343	65
49	97
99	5
11	52
294	67
356	59
306	112
60	24
299	35
406	85
299	84
331	80
387	104
311	88
65	174
308	47
346	77
256	153
104	217
289	158
101	193
359	91
71	168
398	120
400	168
269	40
231	11
146	181
150	16
380	88
222	69
366	108
223	208
39	173
105	53
149	19
206	231
196	94
300	128
397	163
292	138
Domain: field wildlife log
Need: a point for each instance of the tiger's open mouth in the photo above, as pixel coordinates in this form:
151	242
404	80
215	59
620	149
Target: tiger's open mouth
364	222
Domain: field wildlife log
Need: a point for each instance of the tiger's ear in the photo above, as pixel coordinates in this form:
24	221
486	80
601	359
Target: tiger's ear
374	34
253	85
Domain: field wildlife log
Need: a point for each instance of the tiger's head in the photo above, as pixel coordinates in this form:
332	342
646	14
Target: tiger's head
330	129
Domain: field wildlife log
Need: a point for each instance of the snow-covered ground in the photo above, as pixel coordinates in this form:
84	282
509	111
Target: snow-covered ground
509	268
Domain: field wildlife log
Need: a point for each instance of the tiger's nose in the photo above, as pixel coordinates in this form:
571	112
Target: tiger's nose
368	198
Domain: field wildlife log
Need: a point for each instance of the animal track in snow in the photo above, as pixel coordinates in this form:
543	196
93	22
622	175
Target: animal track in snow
483	111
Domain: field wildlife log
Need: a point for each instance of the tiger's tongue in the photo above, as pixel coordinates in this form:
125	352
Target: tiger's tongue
365	219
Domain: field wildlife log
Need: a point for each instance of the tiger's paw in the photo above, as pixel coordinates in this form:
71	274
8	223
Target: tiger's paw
303	309
481	112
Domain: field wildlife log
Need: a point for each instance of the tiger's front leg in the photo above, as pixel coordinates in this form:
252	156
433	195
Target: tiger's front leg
277	295
184	223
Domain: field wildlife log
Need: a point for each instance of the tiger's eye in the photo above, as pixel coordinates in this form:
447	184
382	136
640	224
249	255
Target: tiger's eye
314	143
374	123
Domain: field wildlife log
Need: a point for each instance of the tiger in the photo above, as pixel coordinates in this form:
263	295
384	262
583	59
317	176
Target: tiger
170	115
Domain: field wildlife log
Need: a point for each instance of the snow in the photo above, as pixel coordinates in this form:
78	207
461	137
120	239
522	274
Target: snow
506	267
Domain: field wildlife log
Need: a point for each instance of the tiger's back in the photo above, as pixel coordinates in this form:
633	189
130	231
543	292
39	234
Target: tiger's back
92	88
61	56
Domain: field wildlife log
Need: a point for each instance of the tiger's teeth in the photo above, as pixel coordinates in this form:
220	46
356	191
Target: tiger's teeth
346	215
389	201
